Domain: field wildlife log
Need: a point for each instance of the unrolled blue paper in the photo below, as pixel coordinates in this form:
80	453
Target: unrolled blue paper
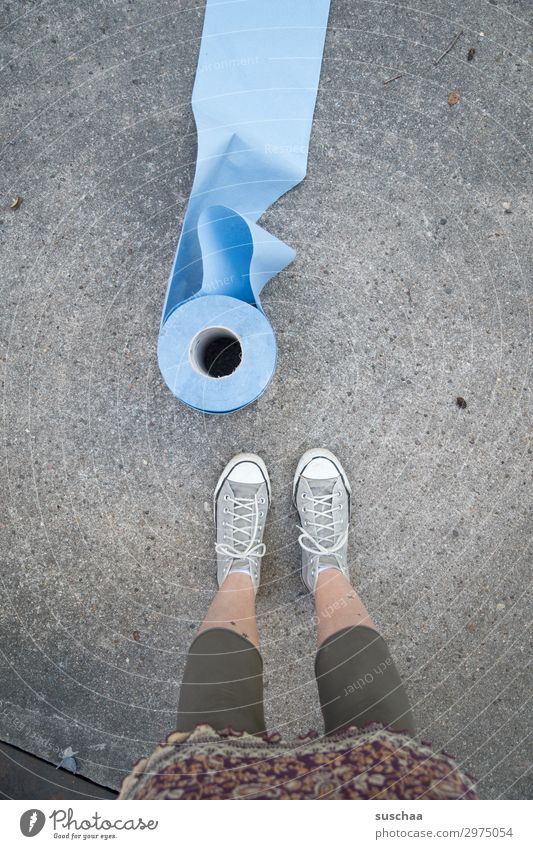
253	102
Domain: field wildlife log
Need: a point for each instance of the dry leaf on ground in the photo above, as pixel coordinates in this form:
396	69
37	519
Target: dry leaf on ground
454	97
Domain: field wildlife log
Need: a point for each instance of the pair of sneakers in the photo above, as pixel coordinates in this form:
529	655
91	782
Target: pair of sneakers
321	495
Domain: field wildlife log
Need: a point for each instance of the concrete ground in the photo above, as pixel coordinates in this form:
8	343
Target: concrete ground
409	291
23	776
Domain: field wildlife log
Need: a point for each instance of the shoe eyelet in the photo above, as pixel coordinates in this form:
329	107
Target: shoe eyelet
304	494
226	497
225	510
261	513
261	500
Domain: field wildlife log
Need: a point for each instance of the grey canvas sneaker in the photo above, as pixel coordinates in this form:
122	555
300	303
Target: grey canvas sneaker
321	494
241	502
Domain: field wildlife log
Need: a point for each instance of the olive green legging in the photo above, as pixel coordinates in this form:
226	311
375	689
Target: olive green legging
357	682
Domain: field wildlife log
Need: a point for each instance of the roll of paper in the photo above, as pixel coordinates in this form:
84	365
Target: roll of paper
253	102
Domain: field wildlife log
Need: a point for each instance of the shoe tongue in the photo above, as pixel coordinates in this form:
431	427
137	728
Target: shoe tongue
240	566
326	560
322	487
244	490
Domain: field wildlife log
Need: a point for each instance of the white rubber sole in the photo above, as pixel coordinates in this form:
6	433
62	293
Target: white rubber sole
241	458
312	454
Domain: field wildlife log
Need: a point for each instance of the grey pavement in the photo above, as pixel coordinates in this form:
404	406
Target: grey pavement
410	290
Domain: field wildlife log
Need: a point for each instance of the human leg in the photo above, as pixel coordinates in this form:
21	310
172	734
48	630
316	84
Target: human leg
357	680
223	684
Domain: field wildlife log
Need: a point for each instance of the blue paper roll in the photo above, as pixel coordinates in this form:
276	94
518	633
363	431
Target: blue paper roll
253	101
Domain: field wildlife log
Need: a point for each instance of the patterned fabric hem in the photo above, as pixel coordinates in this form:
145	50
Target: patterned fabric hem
368	763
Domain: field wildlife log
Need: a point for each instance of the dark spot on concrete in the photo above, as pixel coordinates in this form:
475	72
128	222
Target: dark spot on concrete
461	403
471	53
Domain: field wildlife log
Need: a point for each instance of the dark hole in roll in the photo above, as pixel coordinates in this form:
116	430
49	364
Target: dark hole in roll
221	356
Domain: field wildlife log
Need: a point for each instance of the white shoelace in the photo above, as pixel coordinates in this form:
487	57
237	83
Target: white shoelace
242	549
328	544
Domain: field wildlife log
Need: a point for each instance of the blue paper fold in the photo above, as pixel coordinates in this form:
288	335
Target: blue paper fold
253	101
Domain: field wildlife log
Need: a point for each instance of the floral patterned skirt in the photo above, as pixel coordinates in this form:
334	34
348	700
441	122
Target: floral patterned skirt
369	763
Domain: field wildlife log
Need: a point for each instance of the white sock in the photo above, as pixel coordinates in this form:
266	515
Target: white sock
323	566
245	569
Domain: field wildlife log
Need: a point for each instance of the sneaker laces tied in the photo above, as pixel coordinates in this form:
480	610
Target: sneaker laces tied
328	544
243	549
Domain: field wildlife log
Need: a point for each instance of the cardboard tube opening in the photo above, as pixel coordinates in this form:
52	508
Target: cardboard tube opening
216	352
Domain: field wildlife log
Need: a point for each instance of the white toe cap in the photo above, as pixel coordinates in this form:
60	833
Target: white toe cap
246	472
321	468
